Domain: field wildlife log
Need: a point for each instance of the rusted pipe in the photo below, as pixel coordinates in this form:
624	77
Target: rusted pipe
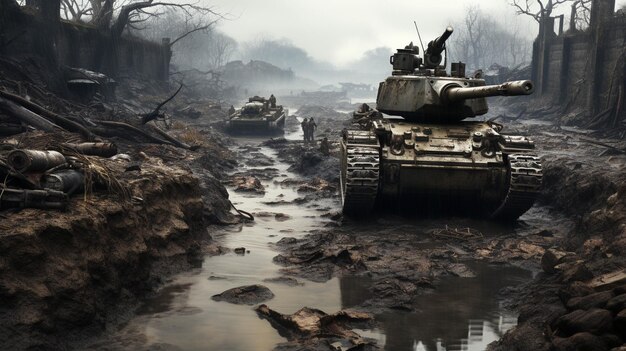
34	160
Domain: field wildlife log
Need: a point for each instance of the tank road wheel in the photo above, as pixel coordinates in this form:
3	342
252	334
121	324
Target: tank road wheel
359	173
524	186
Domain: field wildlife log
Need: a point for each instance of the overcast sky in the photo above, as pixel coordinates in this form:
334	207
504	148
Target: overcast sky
341	30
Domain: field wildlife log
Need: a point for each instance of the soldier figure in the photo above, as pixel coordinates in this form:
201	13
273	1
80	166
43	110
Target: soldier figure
231	110
305	129
312	127
272	101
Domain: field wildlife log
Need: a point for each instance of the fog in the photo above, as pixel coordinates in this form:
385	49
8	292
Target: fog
327	42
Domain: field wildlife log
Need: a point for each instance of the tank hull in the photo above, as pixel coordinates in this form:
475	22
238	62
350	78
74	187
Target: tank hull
428	168
269	123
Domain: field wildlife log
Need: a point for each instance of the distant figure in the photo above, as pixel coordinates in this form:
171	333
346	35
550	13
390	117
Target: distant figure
325	147
312	127
305	128
272	101
231	110
363	108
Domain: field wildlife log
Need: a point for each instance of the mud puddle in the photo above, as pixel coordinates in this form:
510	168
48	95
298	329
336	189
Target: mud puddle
461	314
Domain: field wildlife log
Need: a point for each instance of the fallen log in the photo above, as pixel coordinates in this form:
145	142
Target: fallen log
610	147
27	116
8	129
93	149
59	120
135	130
168	137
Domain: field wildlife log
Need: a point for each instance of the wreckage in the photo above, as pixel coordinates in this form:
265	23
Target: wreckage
46	179
431	157
257	116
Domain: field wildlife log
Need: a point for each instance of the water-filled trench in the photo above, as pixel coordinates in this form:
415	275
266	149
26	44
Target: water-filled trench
461	314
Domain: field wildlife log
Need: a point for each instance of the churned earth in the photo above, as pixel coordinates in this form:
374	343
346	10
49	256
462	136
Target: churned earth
302	277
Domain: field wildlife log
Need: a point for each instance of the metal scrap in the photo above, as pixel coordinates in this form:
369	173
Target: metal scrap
456	233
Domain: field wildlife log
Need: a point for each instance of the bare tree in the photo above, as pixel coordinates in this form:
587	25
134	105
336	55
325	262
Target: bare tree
75	10
481	41
537	9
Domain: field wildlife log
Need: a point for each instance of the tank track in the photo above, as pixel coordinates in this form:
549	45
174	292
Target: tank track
360	172
525	177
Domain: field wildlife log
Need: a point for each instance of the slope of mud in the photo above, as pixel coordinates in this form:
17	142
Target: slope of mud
66	275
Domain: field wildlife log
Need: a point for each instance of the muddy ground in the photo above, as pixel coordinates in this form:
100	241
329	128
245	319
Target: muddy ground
584	217
62	271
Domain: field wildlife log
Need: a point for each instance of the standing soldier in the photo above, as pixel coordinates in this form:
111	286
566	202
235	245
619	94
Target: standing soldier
231	110
272	101
305	127
312	127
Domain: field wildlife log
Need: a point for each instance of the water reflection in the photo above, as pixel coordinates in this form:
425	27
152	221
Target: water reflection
461	315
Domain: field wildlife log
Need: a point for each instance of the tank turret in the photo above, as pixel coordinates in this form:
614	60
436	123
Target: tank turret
422	91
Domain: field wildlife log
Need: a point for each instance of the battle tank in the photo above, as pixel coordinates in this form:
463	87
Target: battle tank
257	116
416	152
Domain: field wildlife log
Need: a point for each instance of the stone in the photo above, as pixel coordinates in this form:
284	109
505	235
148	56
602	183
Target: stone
245	295
617	303
595	321
598	300
574	271
574	289
620	323
580	342
551	258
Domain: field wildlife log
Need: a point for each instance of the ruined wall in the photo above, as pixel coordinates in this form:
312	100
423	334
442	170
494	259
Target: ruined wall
81	45
584	70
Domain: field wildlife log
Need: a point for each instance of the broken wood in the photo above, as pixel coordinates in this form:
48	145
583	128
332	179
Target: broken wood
27	116
611	147
93	149
608	280
57	119
168	137
156	112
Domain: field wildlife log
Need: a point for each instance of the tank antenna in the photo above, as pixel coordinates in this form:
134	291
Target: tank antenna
419	36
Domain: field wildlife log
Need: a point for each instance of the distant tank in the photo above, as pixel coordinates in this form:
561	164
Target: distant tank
417	153
257	116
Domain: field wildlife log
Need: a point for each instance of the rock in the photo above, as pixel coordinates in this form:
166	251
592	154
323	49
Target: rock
574	289
598	300
240	250
580	342
525	337
281	217
284	280
245	295
595	321
551	258
620	323
617	303
612	340
574	271
313	323
248	184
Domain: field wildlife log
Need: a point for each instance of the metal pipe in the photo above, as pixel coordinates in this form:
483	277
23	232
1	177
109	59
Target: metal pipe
519	87
34	160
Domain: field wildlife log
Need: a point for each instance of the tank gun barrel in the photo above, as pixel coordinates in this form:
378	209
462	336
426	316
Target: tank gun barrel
519	87
437	46
432	56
